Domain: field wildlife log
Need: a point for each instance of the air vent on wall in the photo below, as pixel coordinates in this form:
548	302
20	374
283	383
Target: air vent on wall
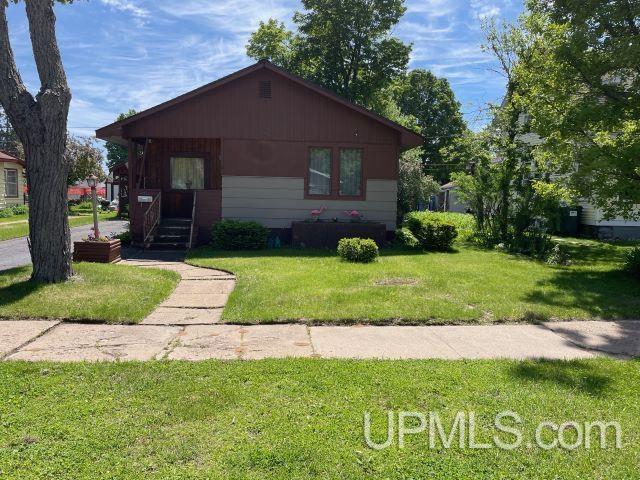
265	89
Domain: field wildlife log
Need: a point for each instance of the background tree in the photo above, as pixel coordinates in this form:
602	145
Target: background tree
274	42
414	186
41	125
344	46
116	153
432	103
581	85
85	159
9	141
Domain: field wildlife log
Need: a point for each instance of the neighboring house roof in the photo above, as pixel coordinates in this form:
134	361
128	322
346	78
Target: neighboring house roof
5	157
114	131
448	186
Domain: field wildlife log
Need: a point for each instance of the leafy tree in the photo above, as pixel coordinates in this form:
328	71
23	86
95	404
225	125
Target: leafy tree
9	141
414	187
509	196
344	46
116	153
41	125
274	42
581	85
432	103
85	159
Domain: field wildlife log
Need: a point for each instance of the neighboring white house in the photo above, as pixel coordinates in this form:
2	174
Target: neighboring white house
592	222
11	181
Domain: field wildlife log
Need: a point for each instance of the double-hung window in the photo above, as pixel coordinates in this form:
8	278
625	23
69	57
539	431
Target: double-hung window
11	183
320	171
342	178
350	172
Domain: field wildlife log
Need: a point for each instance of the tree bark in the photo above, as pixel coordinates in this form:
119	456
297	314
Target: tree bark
41	125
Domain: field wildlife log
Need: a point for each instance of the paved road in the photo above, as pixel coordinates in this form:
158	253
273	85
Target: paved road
15	252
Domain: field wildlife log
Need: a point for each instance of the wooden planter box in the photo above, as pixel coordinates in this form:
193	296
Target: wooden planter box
327	234
99	252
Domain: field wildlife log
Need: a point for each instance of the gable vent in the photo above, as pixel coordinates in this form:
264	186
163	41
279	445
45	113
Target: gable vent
265	89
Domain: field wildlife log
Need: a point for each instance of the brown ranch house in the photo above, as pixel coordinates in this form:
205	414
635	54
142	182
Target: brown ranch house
260	144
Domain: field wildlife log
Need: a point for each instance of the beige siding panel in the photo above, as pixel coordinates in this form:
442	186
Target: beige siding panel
277	201
264	193
284	203
382	186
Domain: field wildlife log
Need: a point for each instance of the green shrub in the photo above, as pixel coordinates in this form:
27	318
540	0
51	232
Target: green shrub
237	235
124	237
430	231
632	261
362	250
405	237
464	222
534	242
6	213
20	209
559	256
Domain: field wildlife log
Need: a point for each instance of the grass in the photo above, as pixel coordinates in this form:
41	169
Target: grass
469	285
16	230
99	292
15	218
303	419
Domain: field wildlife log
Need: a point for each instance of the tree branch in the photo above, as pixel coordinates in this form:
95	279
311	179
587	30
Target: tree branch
14	96
42	28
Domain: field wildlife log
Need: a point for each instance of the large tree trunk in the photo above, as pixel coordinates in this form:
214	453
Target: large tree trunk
49	236
41	125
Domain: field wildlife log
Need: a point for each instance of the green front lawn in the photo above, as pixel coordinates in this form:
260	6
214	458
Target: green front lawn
98	292
469	285
15	230
303	419
15	218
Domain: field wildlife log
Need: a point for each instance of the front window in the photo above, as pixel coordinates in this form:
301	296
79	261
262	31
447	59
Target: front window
350	171
320	171
187	173
11	183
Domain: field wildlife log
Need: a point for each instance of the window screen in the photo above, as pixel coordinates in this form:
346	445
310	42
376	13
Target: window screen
350	171
11	183
320	171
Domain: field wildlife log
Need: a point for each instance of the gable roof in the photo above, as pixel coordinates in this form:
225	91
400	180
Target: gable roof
114	130
5	157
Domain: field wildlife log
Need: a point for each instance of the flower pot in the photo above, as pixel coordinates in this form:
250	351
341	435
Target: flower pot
99	252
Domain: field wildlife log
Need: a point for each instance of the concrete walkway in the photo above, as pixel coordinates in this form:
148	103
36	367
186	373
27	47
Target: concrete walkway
57	341
186	327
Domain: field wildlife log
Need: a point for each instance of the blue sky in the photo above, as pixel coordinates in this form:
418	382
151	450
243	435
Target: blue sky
122	54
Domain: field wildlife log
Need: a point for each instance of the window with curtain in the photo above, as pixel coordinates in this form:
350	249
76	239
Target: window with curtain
11	183
350	171
320	171
187	173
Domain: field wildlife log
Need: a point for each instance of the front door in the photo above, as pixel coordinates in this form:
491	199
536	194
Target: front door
187	173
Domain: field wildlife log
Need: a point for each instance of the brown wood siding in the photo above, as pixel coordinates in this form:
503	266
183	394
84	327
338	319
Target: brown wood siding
290	159
236	111
160	150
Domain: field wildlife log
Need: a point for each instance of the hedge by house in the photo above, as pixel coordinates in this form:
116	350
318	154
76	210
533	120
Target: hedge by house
237	235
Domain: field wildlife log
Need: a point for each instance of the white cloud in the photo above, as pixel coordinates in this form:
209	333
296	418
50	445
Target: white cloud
127	6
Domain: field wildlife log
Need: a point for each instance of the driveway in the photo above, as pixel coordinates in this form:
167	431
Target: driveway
15	252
